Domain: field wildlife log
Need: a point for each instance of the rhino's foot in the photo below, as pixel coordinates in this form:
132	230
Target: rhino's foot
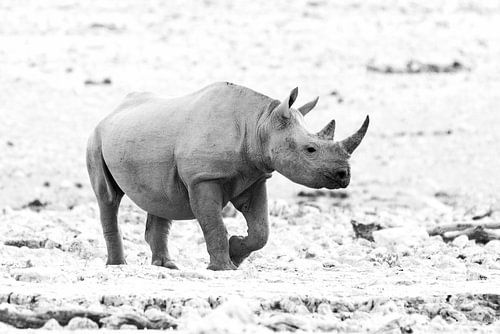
237	260
217	266
237	250
164	262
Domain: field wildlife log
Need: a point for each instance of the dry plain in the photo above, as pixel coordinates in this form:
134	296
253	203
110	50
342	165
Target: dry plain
427	73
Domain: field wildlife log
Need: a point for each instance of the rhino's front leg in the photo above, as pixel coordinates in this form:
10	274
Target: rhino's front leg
206	204
253	205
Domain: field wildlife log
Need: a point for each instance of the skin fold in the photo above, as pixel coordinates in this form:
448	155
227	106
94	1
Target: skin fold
187	157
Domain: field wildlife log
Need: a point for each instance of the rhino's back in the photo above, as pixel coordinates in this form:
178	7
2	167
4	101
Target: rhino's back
141	138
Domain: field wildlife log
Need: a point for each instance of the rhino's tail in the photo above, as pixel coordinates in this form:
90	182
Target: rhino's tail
104	185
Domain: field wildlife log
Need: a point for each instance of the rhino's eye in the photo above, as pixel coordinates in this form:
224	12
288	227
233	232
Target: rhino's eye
310	149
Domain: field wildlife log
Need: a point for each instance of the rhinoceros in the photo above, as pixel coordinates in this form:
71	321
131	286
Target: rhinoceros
187	157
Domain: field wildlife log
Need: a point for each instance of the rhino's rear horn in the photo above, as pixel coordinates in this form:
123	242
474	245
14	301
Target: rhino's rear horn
351	143
328	131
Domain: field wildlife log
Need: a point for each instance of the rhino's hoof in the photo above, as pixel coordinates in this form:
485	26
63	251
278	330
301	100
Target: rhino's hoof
221	266
115	262
164	263
237	260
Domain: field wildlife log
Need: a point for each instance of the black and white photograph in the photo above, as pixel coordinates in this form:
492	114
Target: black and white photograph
219	166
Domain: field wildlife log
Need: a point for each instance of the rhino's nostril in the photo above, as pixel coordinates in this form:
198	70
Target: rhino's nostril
342	174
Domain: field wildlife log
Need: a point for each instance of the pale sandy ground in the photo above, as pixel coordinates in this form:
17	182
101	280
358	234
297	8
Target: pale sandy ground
430	157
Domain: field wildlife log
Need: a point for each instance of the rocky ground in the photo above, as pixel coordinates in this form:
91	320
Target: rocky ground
428	75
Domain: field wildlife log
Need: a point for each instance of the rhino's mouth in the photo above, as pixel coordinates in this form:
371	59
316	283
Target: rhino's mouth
334	183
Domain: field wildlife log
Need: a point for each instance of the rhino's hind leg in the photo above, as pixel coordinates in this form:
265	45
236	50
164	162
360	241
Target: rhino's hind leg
253	205
156	235
108	196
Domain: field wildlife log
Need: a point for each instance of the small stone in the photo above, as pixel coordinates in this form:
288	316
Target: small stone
154	314
313	252
330	264
287	322
324	309
493	247
49	244
112	300
52	325
81	323
460	241
482	314
128	327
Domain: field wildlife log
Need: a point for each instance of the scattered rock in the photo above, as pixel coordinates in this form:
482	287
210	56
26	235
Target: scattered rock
324	309
365	231
493	247
286	322
480	215
128	327
154	314
292	305
52	325
105	81
35	205
415	67
33	244
482	314
78	323
107	26
112	300
460	241
323	193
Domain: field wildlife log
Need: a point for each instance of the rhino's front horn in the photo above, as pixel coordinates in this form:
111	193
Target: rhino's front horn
328	131
351	143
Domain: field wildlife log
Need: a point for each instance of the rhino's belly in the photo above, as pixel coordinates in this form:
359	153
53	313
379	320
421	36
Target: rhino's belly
154	187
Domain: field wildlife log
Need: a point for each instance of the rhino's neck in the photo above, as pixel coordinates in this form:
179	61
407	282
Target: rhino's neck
261	157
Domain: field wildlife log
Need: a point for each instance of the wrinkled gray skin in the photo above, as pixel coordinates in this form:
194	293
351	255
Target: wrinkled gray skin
187	157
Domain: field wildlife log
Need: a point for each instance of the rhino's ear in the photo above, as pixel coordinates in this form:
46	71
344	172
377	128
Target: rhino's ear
284	108
293	96
308	106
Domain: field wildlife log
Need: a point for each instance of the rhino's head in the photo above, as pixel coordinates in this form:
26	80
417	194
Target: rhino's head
313	160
